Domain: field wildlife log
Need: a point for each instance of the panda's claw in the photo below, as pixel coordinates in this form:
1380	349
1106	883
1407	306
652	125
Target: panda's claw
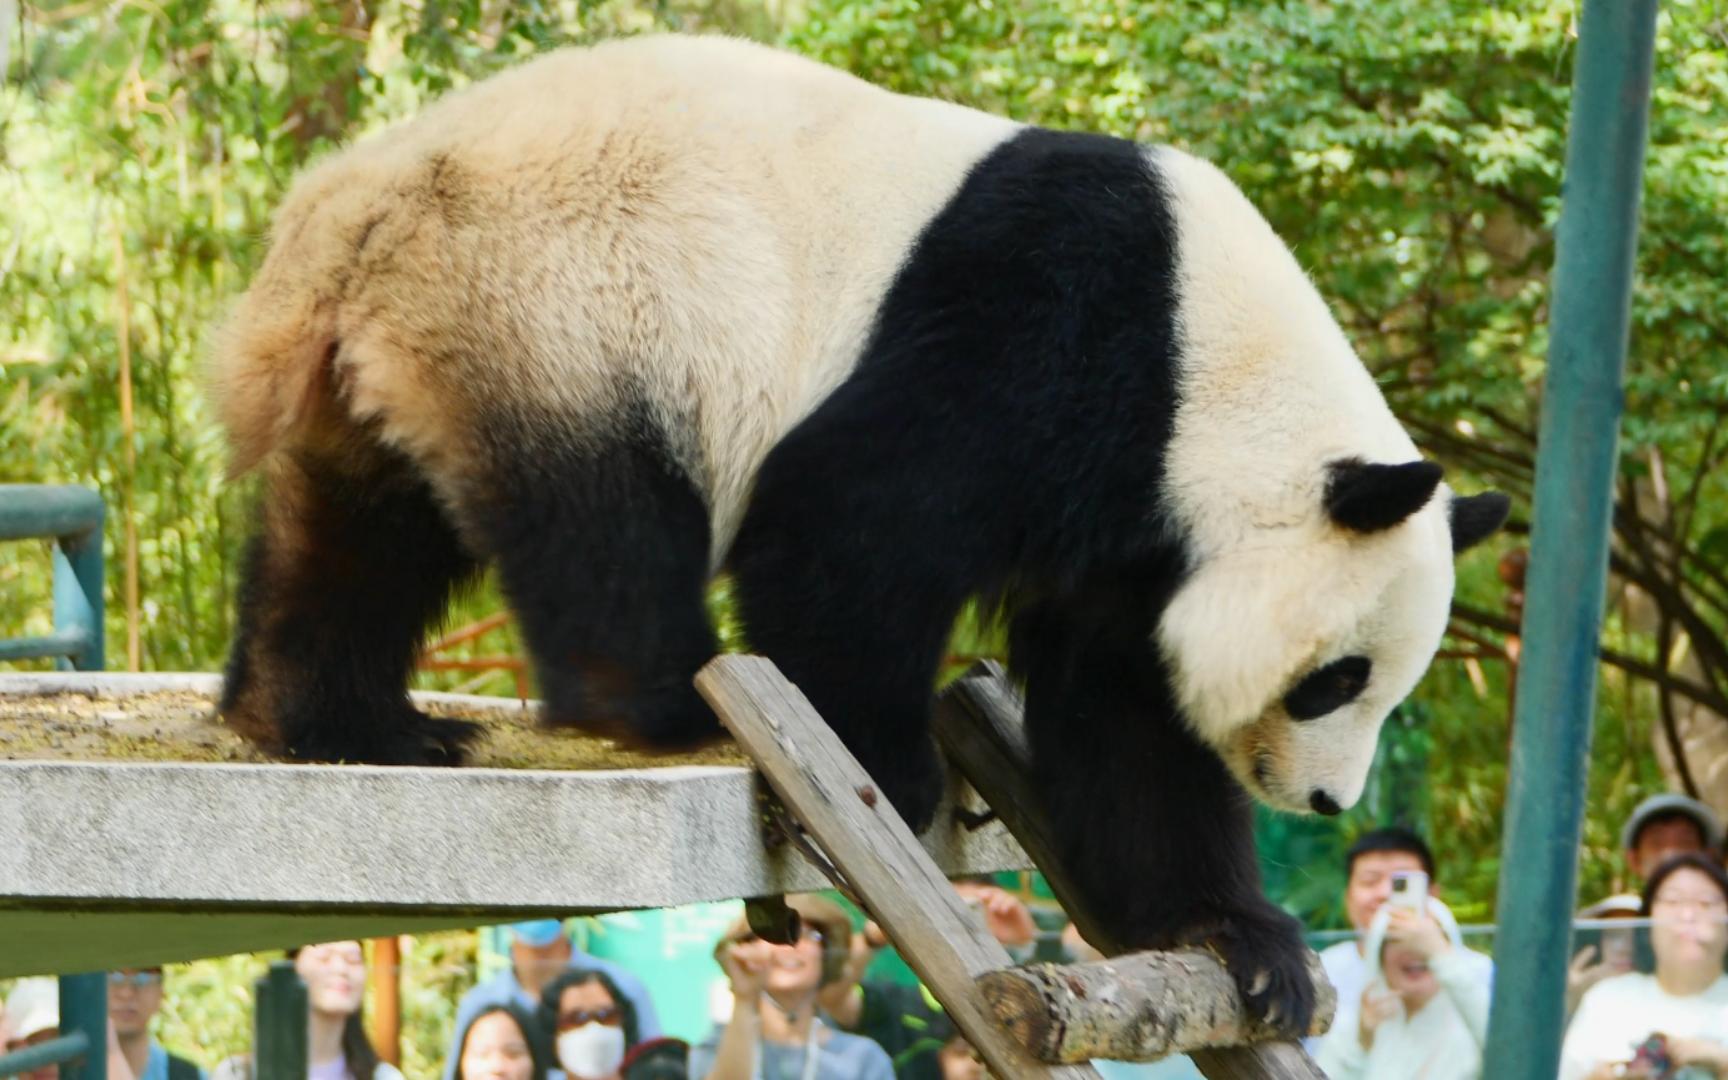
1264	953
407	737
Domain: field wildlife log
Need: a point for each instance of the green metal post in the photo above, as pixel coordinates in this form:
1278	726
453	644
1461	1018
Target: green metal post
1575	468
84	1011
279	1049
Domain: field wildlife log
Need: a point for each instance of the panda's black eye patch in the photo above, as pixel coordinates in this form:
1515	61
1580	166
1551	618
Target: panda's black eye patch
1324	689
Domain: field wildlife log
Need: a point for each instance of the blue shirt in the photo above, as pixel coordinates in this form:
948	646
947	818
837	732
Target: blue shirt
503	988
839	1056
156	1065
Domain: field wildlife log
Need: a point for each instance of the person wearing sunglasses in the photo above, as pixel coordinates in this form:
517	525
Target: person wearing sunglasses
773	1032
592	1023
134	999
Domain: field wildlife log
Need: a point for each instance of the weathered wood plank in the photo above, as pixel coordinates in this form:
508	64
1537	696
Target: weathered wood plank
827	790
978	721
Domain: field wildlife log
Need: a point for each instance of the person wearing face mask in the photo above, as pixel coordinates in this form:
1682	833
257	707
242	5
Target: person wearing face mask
540	949
502	1042
337	1047
1673	1023
597	1034
1424	1013
774	1032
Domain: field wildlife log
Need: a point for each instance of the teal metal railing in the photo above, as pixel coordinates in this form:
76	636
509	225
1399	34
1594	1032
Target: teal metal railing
72	517
1595	244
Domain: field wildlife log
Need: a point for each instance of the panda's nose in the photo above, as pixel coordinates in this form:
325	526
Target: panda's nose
1322	803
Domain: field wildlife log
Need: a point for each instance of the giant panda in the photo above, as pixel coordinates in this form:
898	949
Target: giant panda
629	315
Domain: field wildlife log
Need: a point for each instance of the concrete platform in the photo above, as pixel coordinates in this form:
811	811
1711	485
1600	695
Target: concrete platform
111	863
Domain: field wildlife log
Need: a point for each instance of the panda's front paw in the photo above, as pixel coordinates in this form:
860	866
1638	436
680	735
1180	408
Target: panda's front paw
1264	953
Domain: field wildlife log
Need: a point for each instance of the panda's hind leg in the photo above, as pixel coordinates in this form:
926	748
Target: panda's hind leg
602	544
351	561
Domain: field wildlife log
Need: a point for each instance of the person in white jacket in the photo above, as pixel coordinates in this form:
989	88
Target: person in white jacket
1424	1013
1682	1005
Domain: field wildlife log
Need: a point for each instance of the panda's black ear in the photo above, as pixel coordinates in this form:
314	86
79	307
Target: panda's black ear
1368	498
1475	517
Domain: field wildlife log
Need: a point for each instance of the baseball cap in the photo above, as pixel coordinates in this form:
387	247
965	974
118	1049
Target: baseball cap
1664	805
537	933
32	1008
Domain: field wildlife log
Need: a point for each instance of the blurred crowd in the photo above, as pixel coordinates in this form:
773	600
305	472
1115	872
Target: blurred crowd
1646	992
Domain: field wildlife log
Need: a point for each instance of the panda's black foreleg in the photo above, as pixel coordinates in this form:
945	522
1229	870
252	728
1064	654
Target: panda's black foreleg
861	635
602	546
1155	833
350	563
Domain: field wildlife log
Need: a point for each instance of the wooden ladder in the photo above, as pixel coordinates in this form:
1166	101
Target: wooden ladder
872	853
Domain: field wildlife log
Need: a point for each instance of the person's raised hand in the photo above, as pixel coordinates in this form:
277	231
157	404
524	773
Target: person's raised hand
1417	931
1378	1006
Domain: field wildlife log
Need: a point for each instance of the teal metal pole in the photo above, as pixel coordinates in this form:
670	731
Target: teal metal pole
31	510
1575	467
78	595
84	1012
279	1044
52	1052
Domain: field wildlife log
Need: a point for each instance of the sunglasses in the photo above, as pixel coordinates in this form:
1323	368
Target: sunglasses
606	1014
138	980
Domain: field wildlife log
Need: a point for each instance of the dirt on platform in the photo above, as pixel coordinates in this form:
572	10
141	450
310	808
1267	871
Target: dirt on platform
182	725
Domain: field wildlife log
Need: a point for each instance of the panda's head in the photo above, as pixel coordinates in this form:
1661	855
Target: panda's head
1287	654
1319	545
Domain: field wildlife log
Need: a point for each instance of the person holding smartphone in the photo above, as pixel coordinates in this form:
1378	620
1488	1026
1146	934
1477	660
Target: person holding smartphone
1372	867
1424	1011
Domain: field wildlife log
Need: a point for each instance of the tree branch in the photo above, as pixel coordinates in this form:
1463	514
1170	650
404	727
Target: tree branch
1686	688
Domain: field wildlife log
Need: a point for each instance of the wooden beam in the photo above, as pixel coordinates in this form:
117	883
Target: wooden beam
1134	1007
978	722
872	848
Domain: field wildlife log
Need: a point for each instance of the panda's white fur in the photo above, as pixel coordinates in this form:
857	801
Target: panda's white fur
1278	588
707	206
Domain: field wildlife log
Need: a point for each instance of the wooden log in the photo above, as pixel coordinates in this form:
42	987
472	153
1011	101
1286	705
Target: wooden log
873	849
978	721
1134	1007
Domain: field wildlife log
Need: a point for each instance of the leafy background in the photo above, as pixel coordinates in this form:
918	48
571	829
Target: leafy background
1409	150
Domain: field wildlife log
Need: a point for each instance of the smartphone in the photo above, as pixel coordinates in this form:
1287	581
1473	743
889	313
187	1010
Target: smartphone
1409	890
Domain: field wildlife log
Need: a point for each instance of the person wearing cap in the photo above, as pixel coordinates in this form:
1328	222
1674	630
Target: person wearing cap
1425	1010
1672	1022
1658	829
33	1017
134	999
773	1032
1665	825
539	951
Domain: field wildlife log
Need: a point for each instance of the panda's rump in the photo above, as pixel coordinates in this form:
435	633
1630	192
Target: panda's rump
699	230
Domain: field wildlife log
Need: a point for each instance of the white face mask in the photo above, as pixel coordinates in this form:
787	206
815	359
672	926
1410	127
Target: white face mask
592	1050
